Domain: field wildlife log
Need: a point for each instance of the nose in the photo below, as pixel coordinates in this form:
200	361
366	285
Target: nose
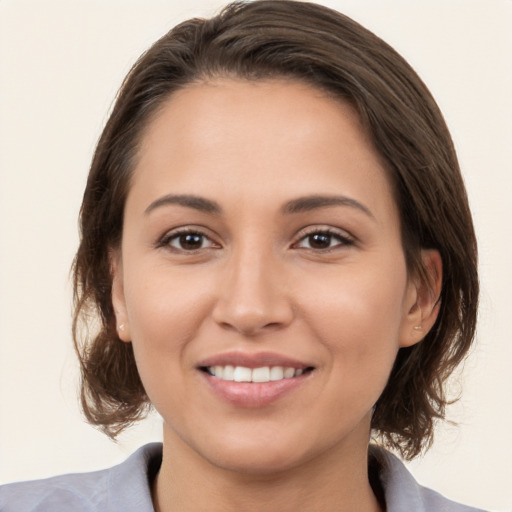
253	294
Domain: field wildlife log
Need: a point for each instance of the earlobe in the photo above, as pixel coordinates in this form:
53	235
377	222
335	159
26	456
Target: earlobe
423	303
118	299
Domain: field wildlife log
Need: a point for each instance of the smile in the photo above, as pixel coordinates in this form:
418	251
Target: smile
260	374
254	386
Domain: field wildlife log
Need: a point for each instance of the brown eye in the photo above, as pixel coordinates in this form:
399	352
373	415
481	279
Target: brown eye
324	240
319	241
188	241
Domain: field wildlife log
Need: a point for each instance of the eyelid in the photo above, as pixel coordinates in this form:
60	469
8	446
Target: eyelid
346	239
165	240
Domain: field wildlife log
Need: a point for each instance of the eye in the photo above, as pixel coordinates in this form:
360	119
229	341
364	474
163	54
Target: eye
323	240
187	241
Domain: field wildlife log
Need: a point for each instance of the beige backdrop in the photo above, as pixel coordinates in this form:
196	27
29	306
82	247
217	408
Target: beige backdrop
60	65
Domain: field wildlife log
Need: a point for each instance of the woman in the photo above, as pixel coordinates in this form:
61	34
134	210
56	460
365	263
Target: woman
277	241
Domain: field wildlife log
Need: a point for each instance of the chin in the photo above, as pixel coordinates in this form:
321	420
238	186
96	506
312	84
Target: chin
251	451
255	460
265	450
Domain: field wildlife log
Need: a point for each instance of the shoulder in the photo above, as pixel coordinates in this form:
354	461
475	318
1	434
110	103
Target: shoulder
124	487
403	493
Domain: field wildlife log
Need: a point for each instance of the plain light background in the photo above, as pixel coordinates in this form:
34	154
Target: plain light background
61	63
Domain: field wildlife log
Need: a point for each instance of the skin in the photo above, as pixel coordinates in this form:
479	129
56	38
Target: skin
255	281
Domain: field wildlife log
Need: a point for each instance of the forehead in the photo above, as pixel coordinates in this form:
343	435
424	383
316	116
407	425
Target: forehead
273	138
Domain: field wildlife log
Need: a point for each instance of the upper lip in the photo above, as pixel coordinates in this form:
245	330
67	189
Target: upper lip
255	360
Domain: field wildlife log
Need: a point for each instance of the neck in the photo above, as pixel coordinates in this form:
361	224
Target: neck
333	482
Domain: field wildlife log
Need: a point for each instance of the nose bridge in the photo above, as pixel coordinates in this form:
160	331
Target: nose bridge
253	292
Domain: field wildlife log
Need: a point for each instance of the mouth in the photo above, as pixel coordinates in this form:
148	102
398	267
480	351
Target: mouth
254	380
259	374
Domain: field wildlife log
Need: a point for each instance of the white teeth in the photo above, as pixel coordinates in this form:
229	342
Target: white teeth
276	373
289	373
229	373
260	374
242	374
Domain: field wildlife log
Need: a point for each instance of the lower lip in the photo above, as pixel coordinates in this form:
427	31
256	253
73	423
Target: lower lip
253	394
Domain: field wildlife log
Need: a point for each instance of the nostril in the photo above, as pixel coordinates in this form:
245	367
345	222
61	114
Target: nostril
272	325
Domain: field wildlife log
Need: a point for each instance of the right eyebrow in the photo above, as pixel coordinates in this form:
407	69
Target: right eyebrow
189	201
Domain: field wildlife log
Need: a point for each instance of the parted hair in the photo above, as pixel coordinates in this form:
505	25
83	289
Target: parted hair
301	41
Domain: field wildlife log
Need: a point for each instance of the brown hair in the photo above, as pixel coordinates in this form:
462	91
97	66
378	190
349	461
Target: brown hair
319	46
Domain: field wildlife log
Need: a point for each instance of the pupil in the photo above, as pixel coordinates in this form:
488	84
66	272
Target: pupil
319	241
190	241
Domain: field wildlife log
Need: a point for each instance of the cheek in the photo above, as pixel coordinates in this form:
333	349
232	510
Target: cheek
358	317
165	312
165	304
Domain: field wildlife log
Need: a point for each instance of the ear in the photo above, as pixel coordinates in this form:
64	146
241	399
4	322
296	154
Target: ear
422	299
118	298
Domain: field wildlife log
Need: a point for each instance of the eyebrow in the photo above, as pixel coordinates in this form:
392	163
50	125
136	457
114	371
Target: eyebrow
309	203
299	205
189	201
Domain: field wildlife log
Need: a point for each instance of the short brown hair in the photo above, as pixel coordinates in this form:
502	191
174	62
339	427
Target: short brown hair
313	44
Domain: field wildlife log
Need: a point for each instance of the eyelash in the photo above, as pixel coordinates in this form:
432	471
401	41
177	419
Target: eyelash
344	240
167	239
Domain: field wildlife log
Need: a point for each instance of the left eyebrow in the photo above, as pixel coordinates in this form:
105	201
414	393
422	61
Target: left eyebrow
309	203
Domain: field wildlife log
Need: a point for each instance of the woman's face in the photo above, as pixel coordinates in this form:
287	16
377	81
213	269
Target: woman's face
261	243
